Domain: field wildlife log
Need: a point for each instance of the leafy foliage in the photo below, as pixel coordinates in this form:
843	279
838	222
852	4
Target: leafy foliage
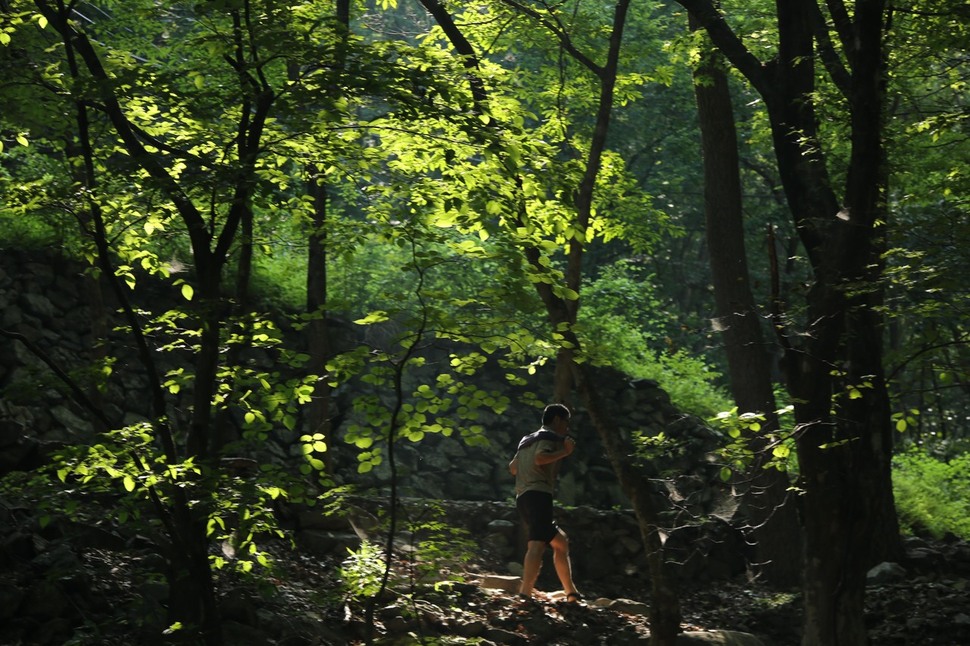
431	554
749	443
933	495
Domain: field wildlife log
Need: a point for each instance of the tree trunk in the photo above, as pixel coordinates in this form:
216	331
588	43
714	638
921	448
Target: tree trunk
318	334
766	501
192	599
835	374
665	612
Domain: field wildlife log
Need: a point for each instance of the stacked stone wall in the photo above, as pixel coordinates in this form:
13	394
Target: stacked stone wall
53	309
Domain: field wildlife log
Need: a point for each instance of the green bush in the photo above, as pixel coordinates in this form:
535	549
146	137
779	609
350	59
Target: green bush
624	324
932	495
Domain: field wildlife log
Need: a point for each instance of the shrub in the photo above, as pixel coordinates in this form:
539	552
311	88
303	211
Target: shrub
932	495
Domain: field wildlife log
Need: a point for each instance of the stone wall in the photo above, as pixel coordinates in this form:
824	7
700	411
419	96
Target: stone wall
47	304
50	303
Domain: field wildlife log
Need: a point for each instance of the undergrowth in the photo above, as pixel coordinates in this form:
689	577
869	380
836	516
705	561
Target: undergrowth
932	495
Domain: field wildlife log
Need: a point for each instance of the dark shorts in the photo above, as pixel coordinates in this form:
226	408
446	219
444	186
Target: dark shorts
535	509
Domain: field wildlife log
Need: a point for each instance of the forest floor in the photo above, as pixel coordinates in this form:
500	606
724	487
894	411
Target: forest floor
110	597
928	608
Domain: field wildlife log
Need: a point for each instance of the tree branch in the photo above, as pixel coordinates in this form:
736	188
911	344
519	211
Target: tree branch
710	18
830	58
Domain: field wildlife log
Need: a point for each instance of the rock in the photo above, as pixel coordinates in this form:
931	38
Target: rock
500	636
886	573
470	628
44	600
309	518
629	606
10	598
72	424
504	526
923	558
719	637
38	304
499	582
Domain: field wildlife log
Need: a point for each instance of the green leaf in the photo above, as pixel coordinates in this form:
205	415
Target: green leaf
374	317
274	492
187	291
129	483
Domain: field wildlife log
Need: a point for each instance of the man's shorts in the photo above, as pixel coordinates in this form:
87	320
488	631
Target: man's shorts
535	508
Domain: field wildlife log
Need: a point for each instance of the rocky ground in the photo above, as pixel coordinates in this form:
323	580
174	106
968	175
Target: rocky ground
52	592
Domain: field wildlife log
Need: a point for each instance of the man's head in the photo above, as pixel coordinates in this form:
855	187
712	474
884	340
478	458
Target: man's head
556	417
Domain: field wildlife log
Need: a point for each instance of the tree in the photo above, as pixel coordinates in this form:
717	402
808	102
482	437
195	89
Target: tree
184	143
561	300
765	491
834	374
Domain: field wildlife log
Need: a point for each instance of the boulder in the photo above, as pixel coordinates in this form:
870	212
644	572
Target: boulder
719	637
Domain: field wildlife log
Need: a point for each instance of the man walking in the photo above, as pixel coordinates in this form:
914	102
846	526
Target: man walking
535	467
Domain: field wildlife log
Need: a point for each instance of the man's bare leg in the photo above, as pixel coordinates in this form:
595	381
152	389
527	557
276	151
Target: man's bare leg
531	566
560	558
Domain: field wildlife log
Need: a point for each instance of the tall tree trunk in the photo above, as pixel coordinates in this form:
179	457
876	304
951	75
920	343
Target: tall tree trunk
319	346
665	611
766	499
318	334
192	598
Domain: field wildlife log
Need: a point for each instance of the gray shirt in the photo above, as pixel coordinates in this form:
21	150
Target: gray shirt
536	477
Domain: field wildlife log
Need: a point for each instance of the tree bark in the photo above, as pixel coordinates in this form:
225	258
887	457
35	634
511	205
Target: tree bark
665	611
318	333
766	500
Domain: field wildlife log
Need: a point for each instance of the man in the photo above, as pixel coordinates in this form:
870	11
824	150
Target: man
535	467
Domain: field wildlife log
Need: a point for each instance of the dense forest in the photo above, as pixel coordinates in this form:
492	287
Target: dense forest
319	226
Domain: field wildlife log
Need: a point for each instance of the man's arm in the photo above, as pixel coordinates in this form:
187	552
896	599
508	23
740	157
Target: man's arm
514	465
545	457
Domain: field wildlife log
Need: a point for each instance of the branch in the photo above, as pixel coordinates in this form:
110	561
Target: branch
712	21
462	46
77	394
830	58
123	127
559	32
777	316
843	24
